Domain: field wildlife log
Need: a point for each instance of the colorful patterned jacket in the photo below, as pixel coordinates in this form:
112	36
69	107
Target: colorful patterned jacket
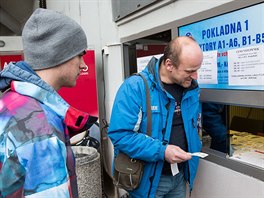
36	124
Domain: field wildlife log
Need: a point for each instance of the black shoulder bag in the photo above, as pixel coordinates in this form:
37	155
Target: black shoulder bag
128	171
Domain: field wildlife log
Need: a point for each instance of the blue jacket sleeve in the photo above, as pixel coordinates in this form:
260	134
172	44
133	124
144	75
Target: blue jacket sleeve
125	129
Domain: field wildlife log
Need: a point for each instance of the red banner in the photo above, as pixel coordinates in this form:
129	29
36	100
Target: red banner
5	59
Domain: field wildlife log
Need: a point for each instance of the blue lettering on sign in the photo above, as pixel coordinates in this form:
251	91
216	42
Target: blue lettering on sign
222	30
208	46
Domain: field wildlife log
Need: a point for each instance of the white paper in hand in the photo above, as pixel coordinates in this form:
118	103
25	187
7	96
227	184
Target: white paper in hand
174	169
199	154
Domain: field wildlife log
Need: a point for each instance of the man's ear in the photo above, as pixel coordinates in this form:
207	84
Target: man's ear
168	64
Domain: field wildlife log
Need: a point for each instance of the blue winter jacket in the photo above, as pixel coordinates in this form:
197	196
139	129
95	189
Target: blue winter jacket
128	125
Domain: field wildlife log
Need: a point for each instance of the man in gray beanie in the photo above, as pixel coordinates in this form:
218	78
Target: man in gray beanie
36	124
50	38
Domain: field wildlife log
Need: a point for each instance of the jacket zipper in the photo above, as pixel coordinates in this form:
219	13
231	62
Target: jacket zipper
151	178
163	142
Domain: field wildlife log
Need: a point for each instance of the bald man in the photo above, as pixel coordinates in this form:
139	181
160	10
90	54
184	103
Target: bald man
174	93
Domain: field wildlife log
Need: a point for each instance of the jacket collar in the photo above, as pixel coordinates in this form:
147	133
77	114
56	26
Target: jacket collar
21	71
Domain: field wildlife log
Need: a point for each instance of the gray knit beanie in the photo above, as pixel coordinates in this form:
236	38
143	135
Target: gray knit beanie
51	38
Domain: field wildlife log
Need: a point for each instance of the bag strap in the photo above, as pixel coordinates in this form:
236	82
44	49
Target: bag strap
106	125
149	115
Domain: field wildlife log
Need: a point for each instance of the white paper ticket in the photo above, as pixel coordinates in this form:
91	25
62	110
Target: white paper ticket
199	154
174	169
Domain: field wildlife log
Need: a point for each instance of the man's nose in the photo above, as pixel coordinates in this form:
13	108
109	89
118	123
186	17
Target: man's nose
82	64
194	75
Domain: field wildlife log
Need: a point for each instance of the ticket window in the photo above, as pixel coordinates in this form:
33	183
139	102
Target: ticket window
234	130
246	135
